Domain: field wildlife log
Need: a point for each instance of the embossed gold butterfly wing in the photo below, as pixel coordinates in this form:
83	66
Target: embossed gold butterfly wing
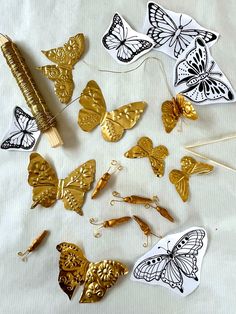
114	123
47	188
180	178
65	58
75	270
173	109
156	155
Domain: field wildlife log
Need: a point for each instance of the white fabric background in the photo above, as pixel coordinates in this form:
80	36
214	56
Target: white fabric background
32	287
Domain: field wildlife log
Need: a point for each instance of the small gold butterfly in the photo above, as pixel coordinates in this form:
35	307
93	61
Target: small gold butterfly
114	123
156	155
180	178
75	270
173	109
47	188
65	58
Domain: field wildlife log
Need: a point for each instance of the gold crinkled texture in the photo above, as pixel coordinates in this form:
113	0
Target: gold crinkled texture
156	155
76	270
47	188
114	123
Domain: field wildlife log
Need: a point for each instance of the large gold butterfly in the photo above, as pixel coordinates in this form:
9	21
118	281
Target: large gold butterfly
75	270
173	109
180	178
65	58
47	188
156	155
114	123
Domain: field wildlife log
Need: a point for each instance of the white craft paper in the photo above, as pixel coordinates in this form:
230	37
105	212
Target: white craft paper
173	32
23	132
192	248
123	43
198	77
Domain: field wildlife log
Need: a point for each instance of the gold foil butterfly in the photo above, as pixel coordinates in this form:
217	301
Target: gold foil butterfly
180	178
156	155
76	270
47	188
114	123
61	74
174	109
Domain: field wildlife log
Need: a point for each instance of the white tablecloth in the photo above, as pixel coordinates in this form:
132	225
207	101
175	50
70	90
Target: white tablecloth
32	287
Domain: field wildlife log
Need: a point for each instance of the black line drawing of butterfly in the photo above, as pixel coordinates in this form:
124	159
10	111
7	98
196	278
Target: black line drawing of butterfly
171	266
23	132
127	47
196	71
165	31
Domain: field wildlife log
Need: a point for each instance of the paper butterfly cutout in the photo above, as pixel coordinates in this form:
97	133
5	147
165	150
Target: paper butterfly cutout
180	178
173	32
173	110
47	188
174	262
123	43
76	270
114	123
199	78
156	155
23	133
65	58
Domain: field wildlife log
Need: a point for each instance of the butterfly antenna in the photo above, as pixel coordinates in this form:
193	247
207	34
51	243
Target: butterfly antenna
94	222
23	255
116	194
168	245
187	23
116	165
161	247
145	244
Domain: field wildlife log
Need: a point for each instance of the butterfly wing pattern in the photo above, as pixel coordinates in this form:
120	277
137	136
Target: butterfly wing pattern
114	123
123	43
199	78
178	268
23	133
173	32
76	270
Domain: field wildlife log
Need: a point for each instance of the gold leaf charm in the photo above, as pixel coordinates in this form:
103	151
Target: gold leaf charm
114	123
65	58
47	188
75	270
180	178
156	155
174	109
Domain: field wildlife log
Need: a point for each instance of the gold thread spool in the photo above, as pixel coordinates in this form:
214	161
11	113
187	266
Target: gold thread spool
30	91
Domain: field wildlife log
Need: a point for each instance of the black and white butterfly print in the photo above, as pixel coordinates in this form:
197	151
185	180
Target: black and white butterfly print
174	31
195	70
172	266
23	132
123	43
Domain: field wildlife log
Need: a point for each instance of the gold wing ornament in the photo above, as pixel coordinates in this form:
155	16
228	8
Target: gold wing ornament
47	188
65	58
180	178
173	110
114	123
156	155
75	270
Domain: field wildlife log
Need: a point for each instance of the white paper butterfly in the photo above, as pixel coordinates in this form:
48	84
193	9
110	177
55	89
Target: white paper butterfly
177	267
202	80
23	132
173	32
123	43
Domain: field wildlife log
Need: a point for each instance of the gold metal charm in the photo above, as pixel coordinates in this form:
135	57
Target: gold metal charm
65	58
75	270
106	177
147	202
156	155
47	188
108	224
173	110
114	123
33	246
145	228
180	178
